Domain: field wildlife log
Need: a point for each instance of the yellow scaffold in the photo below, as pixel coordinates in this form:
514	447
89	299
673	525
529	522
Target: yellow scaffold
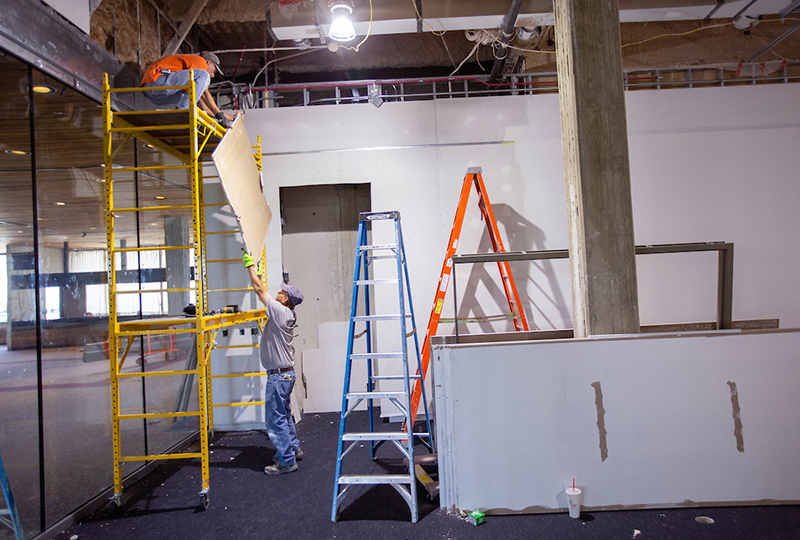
182	134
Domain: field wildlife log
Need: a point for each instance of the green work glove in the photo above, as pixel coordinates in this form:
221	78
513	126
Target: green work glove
248	259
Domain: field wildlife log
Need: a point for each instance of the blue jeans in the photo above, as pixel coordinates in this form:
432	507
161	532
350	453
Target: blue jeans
178	78
278	415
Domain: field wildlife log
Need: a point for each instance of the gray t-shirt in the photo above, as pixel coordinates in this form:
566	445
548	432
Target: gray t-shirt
276	339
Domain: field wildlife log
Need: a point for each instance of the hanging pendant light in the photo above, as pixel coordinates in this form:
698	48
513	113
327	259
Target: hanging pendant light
342	27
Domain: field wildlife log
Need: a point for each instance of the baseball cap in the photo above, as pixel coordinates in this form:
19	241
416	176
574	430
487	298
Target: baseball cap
294	294
213	58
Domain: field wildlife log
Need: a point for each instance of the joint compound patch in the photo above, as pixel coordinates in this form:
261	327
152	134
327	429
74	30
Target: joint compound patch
737	417
601	420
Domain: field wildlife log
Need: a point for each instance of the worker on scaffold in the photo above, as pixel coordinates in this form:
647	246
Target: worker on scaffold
174	70
277	358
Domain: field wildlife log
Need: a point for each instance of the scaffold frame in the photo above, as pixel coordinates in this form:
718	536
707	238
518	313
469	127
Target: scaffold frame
157	128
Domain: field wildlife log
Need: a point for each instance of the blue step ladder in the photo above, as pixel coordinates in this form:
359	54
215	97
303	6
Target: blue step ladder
402	438
9	516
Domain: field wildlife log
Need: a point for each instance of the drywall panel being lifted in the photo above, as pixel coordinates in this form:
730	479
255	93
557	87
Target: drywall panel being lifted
241	181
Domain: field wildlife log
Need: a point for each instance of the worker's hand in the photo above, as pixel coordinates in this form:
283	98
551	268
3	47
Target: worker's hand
247	259
222	119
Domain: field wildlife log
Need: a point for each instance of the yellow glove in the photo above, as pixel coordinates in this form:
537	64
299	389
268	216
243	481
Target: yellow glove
247	259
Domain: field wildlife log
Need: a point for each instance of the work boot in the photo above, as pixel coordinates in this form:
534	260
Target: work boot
276	469
297	456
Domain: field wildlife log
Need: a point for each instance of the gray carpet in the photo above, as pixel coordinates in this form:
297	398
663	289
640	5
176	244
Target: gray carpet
245	503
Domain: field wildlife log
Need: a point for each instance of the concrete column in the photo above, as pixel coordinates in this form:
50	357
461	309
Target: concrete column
597	171
176	233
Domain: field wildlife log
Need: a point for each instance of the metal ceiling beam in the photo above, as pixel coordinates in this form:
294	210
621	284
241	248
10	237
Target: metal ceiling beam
774	42
791	8
720	3
35	34
185	27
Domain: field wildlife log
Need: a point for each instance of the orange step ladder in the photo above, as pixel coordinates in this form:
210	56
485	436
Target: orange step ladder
473	177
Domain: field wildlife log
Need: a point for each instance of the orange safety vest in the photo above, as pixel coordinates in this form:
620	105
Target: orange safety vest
173	62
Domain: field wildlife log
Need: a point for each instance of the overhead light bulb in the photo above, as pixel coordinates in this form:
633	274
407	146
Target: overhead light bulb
341	28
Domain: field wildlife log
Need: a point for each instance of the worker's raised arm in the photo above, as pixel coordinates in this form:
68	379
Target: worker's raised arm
255	279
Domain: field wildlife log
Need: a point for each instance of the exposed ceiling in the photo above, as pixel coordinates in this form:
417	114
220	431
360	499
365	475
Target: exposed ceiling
658	34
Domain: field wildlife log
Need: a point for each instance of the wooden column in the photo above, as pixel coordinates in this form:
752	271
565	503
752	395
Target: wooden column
597	172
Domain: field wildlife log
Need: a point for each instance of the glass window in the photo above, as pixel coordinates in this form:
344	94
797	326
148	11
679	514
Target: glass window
70	205
53	273
19	421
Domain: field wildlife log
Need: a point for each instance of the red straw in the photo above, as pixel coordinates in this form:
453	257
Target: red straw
573	484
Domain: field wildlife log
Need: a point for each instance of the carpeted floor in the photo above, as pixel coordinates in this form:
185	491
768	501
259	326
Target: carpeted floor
245	503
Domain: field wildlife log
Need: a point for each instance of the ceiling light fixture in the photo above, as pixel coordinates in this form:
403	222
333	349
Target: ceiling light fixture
18	152
743	22
59	203
159	197
342	27
43	89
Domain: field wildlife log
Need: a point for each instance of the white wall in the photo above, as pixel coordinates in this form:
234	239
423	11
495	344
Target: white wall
712	164
512	438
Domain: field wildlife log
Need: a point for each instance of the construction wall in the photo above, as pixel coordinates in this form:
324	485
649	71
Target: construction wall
638	422
711	164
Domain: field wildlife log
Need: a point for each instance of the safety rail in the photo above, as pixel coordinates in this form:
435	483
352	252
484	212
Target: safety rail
375	91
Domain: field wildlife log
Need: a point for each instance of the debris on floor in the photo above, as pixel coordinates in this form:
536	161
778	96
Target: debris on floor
477	517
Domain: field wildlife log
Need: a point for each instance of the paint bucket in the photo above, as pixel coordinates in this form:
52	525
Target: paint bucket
574	496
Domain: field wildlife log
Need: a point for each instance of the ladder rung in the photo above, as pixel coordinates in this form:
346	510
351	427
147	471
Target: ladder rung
367	356
376	257
376	247
392	377
375	395
375	281
380	317
375	479
377	436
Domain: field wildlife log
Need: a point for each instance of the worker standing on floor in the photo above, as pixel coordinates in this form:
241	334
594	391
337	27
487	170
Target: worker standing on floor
174	70
277	358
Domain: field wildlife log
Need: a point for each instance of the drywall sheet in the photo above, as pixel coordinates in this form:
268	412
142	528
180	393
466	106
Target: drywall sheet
646	421
241	181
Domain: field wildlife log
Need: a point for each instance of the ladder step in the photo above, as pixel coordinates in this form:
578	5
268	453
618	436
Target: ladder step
375	479
392	377
367	356
377	247
378	436
375	281
376	395
380	317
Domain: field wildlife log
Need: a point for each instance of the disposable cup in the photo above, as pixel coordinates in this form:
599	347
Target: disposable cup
574	496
